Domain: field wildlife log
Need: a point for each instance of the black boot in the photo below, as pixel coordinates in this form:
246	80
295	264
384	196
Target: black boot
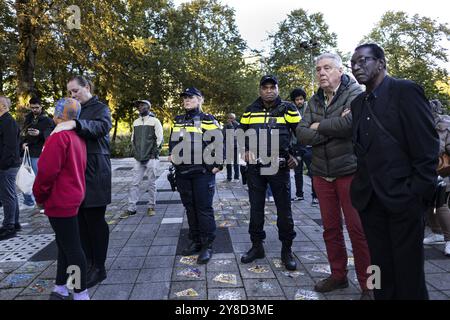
287	258
194	247
255	252
96	275
205	253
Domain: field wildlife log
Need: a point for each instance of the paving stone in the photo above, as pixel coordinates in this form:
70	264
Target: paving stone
113	251
189	273
16	280
227	294
165	241
262	271
125	227
9	294
127	263
222	265
39	287
49	273
440	281
302	293
443	264
120	235
155	275
121	277
224	280
33	267
159	262
133	252
162	250
113	292
294	278
198	288
437	295
151	291
262	288
432	268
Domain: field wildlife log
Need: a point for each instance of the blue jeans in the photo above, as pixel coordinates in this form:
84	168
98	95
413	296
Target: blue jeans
28	199
8	197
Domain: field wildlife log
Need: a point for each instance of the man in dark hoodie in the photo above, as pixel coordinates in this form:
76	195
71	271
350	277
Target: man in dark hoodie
327	127
35	131
9	166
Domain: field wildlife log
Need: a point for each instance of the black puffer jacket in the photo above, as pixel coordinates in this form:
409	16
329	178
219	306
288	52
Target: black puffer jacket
333	154
93	126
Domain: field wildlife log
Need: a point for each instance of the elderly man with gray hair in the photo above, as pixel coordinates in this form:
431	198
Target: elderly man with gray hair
9	166
327	127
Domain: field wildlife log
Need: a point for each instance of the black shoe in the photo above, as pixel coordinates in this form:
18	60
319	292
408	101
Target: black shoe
17	227
288	259
57	296
194	247
255	252
95	276
314	202
7	233
205	254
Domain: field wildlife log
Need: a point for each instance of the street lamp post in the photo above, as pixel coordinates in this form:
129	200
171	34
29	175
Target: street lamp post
310	46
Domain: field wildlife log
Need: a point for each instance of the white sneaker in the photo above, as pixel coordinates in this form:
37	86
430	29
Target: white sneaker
434	238
271	199
447	249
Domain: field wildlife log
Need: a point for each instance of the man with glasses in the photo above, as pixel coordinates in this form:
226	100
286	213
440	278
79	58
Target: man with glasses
327	127
37	128
397	147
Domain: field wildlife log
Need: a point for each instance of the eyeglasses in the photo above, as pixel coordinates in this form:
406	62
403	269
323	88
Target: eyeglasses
361	61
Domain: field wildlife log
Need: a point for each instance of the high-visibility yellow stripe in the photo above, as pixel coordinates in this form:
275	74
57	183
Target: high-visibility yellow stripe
188	129
209	126
291	119
257	120
207	121
245	120
246	114
293	113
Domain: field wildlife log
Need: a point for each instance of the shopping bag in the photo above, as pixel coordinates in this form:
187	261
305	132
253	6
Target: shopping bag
25	176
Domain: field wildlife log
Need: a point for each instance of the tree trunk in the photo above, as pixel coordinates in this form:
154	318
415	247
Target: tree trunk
28	12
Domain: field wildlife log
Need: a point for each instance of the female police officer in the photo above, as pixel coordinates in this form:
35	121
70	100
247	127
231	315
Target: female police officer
195	173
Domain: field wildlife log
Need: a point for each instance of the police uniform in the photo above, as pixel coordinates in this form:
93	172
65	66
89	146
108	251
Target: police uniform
285	117
195	180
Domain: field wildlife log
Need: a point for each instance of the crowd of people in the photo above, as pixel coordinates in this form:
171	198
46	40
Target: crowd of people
372	157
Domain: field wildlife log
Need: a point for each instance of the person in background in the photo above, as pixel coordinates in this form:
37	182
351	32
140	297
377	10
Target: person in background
146	139
9	166
232	124
36	129
439	215
298	97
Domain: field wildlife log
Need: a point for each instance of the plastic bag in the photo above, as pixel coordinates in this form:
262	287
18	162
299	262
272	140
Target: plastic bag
25	176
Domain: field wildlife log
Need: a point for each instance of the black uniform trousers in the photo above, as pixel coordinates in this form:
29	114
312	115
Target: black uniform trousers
396	246
197	194
280	185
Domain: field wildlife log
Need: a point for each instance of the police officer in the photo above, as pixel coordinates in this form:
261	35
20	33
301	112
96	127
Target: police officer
195	176
269	112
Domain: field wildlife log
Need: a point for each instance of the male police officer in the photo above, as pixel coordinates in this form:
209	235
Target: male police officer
267	116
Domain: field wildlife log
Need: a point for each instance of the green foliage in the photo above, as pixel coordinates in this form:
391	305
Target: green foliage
140	49
413	48
289	59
